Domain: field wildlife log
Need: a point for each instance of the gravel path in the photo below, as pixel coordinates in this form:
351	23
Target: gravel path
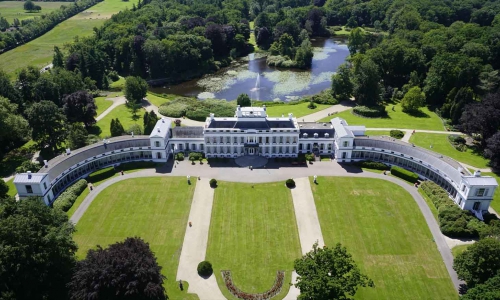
330	111
116	101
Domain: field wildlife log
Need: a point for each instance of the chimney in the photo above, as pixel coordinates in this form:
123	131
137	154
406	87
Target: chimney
29	174
238	107
212	115
264	107
158	128
477	173
162	119
68	151
290	116
45	163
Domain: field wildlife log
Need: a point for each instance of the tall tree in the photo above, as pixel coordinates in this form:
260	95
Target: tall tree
328	273
4	189
125	270
80	107
357	41
492	150
341	83
136	89
77	136
8	90
243	100
13	127
29	5
413	100
58	58
366	83
116	128
150	120
490	290
479	262
48	125
37	252
482	118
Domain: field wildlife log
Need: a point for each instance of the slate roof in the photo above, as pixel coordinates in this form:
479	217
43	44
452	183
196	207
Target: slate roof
62	162
29	178
482	180
187	132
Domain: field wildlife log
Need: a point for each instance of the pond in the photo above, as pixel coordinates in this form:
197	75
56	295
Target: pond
253	76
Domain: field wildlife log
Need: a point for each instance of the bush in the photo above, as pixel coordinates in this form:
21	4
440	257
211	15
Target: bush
336	28
197	110
66	200
213	183
404	174
113	75
368	164
135	128
324	97
28	165
195	156
309	157
370	112
290	183
311	105
102	174
397	134
205	269
179	156
456	139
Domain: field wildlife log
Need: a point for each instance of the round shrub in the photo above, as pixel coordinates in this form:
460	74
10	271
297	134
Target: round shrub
173	109
213	183
179	156
397	134
290	183
205	268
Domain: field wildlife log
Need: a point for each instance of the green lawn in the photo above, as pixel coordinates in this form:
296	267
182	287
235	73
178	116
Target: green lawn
459	249
12	188
253	233
441	145
251	40
118	85
124	115
386	235
15	9
39	52
395	119
157	100
298	110
102	104
155	209
378	132
496	198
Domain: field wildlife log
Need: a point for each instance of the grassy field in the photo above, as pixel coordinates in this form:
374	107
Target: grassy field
12	188
102	104
298	110
155	209
124	114
386	235
253	233
395	119
158	101
15	9
39	51
378	132
496	198
441	145
251	40
458	249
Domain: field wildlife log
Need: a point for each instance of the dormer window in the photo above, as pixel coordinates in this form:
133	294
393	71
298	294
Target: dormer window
346	144
327	135
305	135
316	135
157	144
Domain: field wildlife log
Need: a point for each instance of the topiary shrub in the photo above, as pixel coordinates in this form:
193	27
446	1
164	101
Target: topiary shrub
404	174
66	200
213	183
370	112
368	164
179	156
290	183
397	134
309	157
205	269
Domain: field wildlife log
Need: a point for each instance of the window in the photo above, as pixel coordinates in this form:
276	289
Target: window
346	144
157	144
344	154
481	192
260	139
267	140
463	188
158	155
29	189
281	140
45	185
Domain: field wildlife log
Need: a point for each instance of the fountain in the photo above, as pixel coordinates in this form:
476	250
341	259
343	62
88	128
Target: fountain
255	90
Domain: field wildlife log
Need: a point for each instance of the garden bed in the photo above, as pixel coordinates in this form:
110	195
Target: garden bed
235	291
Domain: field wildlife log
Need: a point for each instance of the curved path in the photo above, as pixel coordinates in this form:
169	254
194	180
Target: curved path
116	102
280	174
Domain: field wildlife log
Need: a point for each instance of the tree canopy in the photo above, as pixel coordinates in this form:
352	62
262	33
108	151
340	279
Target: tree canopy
243	100
479	262
48	125
124	270
328	273
80	107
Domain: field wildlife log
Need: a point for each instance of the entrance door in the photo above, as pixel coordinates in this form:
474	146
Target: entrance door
251	151
476	206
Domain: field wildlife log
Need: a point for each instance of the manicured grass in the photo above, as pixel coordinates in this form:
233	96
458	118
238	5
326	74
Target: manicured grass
459	249
253	233
118	85
251	40
378	132
102	104
39	52
395	119
124	114
441	145
495	204
12	188
157	100
298	110
77	203
15	9
155	209
381	226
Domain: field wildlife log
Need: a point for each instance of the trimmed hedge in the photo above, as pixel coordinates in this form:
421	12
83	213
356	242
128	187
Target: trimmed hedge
102	174
67	198
368	164
397	134
179	156
453	221
205	269
370	112
213	183
404	174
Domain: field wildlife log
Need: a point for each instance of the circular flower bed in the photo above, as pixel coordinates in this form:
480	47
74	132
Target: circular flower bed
273	291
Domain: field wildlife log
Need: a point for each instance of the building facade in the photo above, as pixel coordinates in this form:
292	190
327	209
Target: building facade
252	132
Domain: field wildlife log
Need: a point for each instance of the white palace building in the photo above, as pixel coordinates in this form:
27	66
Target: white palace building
252	132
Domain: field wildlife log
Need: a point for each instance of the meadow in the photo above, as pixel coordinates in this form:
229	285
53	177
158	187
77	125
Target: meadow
154	209
15	9
386	235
